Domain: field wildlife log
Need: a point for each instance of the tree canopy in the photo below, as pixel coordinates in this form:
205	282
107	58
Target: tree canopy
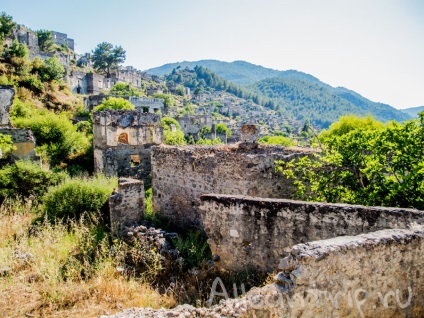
107	57
369	164
6	25
45	40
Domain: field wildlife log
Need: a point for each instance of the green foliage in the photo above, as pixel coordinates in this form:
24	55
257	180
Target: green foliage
193	248
347	124
114	103
166	122
45	40
206	130
215	141
16	50
24	178
303	97
6	144
57	138
6	25
124	89
277	140
222	129
169	101
107	57
174	138
73	197
52	70
370	165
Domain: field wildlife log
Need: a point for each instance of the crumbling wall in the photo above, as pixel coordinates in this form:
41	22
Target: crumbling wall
252	232
23	139
182	174
122	143
378	274
7	93
127	205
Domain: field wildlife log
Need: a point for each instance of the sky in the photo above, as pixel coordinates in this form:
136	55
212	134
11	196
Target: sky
375	48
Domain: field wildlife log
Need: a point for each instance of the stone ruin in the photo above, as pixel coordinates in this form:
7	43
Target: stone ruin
122	143
22	138
331	259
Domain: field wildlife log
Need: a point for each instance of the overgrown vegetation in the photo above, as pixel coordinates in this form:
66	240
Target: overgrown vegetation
364	162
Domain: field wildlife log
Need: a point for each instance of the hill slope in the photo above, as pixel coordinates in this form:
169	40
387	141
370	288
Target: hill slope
300	95
238	72
413	111
321	103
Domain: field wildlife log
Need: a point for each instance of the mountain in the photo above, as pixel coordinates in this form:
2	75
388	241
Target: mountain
238	72
413	111
322	103
299	95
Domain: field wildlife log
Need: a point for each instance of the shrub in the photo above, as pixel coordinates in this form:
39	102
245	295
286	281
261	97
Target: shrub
52	70
166	122
193	248
215	141
277	140
6	144
24	178
73	197
56	136
222	128
114	103
174	138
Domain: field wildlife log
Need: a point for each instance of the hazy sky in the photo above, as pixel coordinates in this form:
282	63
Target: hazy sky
373	47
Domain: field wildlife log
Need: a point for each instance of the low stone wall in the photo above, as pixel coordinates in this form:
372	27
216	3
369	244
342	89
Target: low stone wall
252	232
127	205
182	174
378	274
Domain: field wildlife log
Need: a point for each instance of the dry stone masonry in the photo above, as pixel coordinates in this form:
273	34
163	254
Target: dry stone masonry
252	232
182	174
127	205
379	274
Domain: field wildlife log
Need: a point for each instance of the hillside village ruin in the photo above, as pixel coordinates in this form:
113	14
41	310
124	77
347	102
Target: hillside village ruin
233	194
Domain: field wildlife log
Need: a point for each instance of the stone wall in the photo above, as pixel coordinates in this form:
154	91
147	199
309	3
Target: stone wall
7	92
378	274
127	205
182	174
122	143
251	232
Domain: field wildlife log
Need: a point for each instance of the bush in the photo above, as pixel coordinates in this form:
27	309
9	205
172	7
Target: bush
114	103
277	140
24	178
222	128
166	122
174	138
56	136
6	144
52	70
73	197
215	141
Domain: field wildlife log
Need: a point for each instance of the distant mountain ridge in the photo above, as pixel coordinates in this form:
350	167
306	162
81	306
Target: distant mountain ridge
238	72
413	111
301	96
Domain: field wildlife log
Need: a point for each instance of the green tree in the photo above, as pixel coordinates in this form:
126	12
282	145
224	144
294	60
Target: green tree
222	128
45	40
277	140
6	25
371	164
107	57
124	89
51	70
114	103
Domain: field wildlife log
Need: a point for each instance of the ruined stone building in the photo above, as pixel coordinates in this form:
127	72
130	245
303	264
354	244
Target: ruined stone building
337	260
122	142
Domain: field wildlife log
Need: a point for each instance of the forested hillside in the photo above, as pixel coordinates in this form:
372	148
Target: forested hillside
321	103
299	95
413	111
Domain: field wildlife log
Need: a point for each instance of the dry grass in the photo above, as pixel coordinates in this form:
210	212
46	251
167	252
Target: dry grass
32	283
